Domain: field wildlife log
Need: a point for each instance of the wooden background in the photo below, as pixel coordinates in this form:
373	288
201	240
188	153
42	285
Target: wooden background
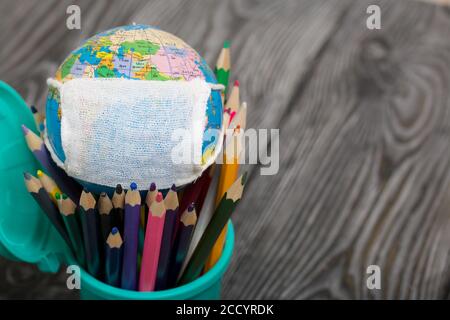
364	120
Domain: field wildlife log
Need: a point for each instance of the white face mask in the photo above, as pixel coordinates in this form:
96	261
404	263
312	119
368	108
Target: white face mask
120	130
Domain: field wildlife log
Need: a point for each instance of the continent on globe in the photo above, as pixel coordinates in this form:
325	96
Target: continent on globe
139	52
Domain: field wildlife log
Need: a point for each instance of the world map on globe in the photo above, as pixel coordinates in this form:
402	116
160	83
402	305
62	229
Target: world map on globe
138	52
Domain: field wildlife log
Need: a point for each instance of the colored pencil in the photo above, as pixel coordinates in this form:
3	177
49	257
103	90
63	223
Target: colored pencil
105	208
37	191
170	224
91	233
131	238
67	208
38	117
49	185
195	191
152	244
219	220
42	128
222	69
233	103
143	217
151	196
113	258
65	183
205	189
204	217
241	117
228	174
118	201
187	224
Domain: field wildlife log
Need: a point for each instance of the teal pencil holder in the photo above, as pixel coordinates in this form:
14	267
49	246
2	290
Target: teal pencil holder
27	235
206	287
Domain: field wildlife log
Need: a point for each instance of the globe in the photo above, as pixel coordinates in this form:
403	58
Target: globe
138	52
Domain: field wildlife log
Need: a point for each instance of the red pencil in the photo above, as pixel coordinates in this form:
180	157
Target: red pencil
152	244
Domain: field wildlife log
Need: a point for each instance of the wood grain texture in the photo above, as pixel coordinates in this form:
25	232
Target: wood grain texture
364	118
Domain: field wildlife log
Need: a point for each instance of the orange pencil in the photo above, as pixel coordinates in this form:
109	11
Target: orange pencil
228	174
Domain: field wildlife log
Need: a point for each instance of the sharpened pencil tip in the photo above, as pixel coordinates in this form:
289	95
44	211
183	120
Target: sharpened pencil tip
25	129
244	178
159	197
226	44
58	196
103	194
42	127
119	189
191	207
133	186
40	173
236	83
152	186
26	175
33	109
64	196
173	188
114	230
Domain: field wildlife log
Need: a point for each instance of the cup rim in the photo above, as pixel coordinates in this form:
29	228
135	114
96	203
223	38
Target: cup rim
186	291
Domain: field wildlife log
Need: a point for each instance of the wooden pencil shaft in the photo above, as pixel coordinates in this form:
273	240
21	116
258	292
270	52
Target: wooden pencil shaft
90	227
75	235
48	184
165	251
180	252
118	201
65	183
152	244
105	225
113	265
131	238
117	217
209	237
52	213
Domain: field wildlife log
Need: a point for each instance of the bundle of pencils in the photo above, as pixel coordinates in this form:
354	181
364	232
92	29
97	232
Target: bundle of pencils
146	242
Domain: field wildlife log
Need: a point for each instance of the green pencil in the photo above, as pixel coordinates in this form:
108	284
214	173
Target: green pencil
221	216
222	69
105	208
67	208
91	233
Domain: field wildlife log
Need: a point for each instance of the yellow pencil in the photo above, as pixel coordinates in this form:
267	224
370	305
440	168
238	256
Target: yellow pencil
228	175
49	185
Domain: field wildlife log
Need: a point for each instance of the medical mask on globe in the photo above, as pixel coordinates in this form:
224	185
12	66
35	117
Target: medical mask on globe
119	130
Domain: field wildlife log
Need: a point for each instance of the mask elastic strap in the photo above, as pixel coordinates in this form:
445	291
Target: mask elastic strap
54	83
58	84
217	86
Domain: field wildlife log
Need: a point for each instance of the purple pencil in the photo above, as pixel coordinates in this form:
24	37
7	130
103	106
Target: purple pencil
171	204
131	235
64	182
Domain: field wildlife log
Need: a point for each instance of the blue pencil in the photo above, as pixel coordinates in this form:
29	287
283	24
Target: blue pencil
131	238
113	258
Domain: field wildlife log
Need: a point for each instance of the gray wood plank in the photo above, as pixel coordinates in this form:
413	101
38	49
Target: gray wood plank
365	178
364	136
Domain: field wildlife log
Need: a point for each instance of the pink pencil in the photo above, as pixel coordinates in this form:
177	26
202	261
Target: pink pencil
152	244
